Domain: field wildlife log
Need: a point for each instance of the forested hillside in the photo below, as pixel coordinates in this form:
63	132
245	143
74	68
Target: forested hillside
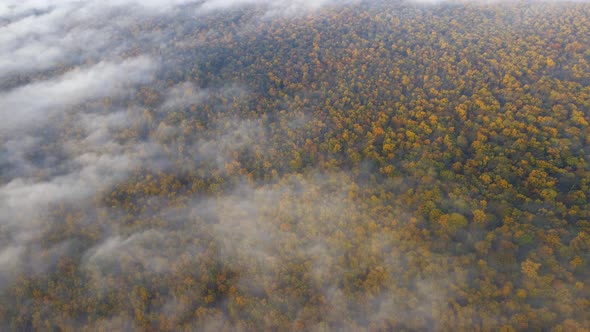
372	165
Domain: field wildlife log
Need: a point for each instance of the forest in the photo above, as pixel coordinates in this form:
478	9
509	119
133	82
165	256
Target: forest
295	166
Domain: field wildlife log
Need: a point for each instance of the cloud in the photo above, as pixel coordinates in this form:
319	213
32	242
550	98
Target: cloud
297	243
42	169
275	4
49	35
184	95
238	135
30	106
301	233
10	264
91	169
25	204
146	249
39	36
43	35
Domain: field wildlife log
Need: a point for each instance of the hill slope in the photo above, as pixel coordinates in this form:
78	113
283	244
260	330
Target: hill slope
375	165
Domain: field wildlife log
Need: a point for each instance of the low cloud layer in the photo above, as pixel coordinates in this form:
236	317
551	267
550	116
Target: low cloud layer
126	165
40	36
31	105
315	217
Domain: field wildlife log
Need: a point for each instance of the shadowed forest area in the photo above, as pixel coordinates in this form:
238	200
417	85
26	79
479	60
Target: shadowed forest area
372	165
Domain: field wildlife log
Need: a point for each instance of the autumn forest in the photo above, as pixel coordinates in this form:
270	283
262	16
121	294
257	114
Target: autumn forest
288	166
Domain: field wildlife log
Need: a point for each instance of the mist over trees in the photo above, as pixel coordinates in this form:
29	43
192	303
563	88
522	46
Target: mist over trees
264	165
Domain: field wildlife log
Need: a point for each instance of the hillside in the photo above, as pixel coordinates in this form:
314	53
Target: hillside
372	165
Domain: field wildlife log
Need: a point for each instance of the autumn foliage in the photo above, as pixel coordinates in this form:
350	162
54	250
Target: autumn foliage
378	166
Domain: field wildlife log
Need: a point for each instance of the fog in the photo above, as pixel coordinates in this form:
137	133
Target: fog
78	97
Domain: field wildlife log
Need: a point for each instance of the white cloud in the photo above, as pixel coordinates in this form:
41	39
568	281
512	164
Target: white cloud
31	105
41	35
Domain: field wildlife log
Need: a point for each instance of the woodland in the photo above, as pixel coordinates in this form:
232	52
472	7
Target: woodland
374	166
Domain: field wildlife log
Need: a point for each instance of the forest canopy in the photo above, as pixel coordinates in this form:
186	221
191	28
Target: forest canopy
305	165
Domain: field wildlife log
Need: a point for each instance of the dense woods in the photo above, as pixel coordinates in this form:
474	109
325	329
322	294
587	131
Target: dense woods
376	166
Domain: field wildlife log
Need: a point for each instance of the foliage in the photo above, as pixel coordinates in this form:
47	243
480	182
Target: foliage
379	166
